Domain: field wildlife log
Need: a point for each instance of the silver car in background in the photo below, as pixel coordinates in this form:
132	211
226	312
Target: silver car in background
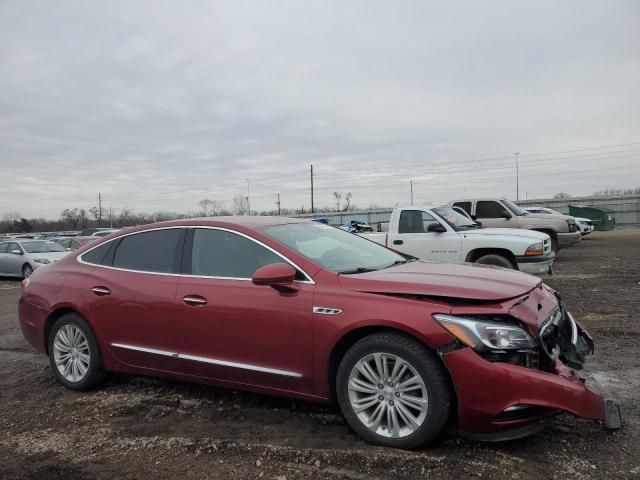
19	258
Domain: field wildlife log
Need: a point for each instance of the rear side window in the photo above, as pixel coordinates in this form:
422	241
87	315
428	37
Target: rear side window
466	206
97	255
488	209
153	251
4	247
218	253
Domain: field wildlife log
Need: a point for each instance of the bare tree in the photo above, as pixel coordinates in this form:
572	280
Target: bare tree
240	205
337	197
347	202
562	195
210	208
72	216
12	217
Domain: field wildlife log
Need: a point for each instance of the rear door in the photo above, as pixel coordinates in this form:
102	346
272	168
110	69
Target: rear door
233	330
413	238
130	296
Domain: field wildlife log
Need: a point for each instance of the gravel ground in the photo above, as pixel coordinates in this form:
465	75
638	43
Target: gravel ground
140	428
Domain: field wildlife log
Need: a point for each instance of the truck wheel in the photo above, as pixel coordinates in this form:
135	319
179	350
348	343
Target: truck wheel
554	244
393	391
496	260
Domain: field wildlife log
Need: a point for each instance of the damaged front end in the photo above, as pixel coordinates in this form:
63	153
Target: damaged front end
514	369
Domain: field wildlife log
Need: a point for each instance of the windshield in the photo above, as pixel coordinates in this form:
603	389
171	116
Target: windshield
515	209
333	248
456	220
42	247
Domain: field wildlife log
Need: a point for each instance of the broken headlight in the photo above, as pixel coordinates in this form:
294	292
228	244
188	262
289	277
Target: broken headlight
487	335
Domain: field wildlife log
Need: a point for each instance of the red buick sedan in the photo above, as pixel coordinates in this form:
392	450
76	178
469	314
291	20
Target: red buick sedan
298	308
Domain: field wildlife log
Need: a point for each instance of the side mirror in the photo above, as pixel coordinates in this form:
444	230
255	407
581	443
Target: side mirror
279	276
16	252
436	228
478	222
506	215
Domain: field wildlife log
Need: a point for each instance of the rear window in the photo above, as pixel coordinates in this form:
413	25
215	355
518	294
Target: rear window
466	206
153	251
97	255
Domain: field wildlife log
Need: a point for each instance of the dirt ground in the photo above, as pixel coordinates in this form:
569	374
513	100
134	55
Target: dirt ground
149	428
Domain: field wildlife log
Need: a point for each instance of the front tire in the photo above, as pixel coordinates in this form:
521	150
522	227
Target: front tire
74	354
27	270
393	391
495	260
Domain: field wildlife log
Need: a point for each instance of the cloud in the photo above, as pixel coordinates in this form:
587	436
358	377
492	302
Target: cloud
159	104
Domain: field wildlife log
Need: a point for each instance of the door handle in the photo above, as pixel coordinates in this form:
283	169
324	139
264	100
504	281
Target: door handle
101	291
398	242
194	300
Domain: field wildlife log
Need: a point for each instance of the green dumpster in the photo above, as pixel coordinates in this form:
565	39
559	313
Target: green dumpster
603	218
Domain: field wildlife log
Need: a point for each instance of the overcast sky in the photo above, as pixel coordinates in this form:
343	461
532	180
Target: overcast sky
160	104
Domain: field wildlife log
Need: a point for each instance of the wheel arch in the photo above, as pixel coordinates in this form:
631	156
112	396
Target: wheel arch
476	253
53	317
345	342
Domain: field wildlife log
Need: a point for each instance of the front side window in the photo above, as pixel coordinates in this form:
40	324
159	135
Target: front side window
153	251
333	248
489	209
415	221
219	253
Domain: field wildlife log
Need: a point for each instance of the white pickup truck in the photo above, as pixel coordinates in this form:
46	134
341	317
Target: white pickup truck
445	235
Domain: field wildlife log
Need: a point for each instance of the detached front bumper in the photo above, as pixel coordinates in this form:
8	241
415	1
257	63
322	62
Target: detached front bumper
568	239
499	401
536	265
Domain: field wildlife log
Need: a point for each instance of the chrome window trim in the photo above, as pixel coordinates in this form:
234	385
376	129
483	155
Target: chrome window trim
327	310
212	361
79	259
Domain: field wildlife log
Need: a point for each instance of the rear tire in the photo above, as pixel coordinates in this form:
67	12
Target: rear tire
496	260
406	408
74	354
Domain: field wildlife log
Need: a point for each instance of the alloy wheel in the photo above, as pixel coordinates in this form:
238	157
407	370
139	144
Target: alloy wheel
71	353
388	395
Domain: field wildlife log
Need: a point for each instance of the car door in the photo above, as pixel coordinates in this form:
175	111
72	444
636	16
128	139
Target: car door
414	238
234	331
14	261
490	213
130	296
4	253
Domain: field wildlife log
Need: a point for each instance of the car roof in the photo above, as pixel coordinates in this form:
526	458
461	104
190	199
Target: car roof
247	221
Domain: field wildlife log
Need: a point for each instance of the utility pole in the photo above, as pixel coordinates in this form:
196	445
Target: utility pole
517	177
411	184
99	209
248	197
278	203
311	188
110	218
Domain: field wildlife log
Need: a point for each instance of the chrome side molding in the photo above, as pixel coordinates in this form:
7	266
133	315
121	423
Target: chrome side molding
212	361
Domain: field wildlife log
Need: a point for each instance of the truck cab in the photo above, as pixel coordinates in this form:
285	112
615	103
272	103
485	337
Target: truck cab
503	213
445	235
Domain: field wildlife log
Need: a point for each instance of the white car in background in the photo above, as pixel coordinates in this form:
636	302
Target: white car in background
19	258
585	226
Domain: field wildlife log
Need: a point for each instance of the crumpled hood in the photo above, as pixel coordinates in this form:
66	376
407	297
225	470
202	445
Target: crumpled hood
466	281
519	232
